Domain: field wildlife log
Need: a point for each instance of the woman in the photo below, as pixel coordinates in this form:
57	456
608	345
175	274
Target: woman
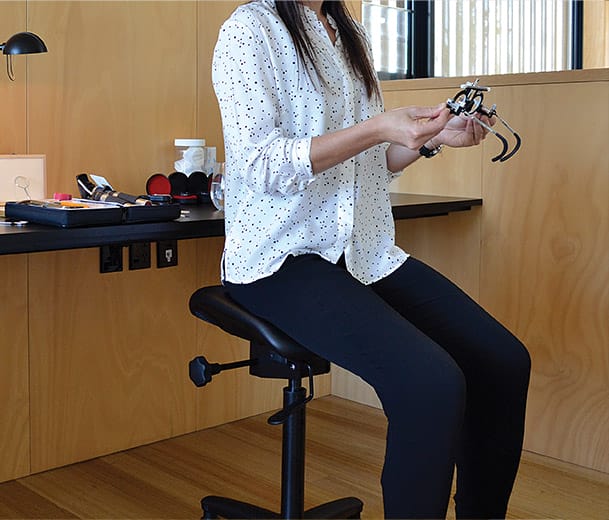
310	247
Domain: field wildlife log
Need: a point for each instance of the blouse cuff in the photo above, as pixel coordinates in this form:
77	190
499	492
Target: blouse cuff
301	159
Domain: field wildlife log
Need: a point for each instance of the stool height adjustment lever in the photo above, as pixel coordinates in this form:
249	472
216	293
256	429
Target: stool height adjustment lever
282	415
201	371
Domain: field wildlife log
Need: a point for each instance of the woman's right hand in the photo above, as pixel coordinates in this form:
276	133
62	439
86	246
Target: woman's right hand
412	126
409	128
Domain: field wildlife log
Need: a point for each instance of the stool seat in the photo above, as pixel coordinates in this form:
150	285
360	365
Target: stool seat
214	305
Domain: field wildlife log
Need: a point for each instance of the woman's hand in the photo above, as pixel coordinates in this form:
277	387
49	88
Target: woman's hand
412	127
421	122
407	129
461	132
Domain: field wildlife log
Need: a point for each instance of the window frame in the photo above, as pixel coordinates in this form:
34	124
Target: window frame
420	39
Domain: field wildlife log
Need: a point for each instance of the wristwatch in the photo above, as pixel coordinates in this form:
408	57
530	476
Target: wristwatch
430	152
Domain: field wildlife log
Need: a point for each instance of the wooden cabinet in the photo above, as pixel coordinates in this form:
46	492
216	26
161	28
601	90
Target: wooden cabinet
545	262
97	363
14	380
108	354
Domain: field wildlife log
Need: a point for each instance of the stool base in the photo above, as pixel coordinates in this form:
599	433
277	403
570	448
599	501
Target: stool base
222	507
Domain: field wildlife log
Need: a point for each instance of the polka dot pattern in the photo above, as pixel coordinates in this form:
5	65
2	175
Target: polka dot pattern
272	105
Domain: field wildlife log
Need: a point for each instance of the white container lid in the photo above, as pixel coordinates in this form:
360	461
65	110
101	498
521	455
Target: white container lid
189	142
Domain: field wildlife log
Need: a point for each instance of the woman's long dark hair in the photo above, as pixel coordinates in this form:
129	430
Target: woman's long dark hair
291	12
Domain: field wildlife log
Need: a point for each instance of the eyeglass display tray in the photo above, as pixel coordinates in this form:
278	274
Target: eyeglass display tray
93	215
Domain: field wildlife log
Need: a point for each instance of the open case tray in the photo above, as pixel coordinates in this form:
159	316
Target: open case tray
91	216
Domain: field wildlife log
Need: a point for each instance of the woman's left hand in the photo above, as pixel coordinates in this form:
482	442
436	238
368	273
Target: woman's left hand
460	132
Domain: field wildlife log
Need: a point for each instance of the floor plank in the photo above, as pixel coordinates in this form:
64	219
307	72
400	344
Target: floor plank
345	445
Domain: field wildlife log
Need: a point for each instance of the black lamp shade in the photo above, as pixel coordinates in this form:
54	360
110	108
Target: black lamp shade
24	43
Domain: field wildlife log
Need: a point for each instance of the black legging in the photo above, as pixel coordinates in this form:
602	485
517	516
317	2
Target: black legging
452	381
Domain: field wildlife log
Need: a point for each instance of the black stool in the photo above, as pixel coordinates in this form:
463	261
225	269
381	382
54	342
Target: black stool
272	355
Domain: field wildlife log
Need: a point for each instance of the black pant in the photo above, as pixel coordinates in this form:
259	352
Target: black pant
452	381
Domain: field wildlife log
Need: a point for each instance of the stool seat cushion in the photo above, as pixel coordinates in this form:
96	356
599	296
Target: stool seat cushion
214	305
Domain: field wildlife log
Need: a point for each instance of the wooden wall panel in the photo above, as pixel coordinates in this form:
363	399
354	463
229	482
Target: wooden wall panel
116	88
14	382
108	354
545	268
13	93
449	244
596	34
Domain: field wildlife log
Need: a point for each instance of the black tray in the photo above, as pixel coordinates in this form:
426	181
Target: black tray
64	216
94	215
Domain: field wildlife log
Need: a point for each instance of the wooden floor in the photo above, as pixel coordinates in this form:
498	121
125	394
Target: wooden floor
345	447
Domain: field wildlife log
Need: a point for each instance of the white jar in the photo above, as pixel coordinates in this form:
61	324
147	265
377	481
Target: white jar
190	155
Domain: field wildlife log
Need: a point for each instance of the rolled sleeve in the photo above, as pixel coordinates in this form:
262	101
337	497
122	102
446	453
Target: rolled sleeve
301	158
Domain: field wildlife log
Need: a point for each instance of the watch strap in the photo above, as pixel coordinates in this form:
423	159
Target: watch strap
430	152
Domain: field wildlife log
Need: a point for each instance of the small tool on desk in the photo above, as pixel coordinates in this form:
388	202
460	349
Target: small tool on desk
19	223
72	204
102	191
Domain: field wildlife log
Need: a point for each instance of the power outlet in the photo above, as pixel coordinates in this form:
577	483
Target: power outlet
110	259
139	255
167	253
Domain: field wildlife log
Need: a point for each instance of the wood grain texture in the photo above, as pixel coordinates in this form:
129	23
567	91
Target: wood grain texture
345	446
116	88
352	387
108	355
449	244
596	34
14	380
544	262
13	93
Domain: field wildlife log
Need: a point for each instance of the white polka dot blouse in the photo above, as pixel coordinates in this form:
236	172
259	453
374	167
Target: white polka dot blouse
271	107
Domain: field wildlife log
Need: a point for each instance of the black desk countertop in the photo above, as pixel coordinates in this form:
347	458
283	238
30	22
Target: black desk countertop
198	222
